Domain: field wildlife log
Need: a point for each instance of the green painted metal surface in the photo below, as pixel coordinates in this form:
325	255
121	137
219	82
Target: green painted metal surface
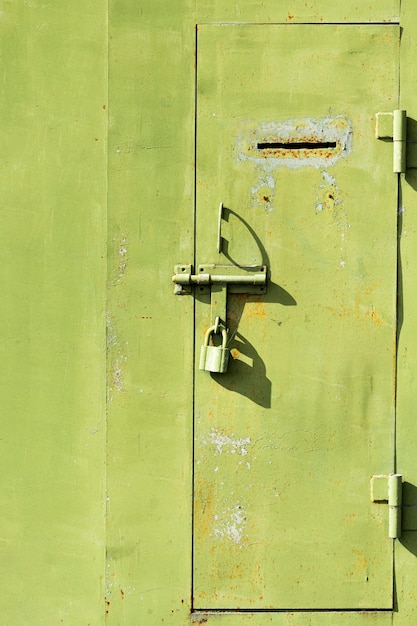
98	198
305	414
53	196
150	221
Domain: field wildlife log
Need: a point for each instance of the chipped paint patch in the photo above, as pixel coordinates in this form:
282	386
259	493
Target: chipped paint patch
262	193
295	143
111	339
123	259
327	195
226	444
122	266
330	180
231	524
117	359
117	377
328	200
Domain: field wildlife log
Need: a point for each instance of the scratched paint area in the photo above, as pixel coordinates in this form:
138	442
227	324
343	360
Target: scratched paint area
117	348
224	515
117	352
327	194
263	468
330	205
263	191
227	444
118	268
223	511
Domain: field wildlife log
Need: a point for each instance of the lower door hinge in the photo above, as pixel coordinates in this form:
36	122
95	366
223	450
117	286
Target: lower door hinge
388	488
393	126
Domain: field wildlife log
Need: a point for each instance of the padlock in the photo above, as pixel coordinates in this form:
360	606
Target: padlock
214	358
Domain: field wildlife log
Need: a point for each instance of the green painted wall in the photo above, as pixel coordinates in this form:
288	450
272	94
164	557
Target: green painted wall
97	189
53	197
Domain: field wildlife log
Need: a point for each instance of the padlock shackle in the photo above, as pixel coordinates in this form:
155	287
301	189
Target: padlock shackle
212	331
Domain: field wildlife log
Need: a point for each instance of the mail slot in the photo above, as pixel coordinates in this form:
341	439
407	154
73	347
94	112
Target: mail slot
318	142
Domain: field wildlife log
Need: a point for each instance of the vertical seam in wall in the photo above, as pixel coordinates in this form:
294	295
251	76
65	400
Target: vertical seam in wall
398	269
194	314
398	312
399	275
106	369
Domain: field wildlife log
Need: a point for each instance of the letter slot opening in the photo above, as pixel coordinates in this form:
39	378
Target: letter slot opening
297	145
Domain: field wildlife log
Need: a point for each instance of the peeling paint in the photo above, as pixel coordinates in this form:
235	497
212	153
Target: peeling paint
262	193
120	263
111	338
117	377
117	357
224	443
330	180
328	200
231	523
327	197
123	258
295	143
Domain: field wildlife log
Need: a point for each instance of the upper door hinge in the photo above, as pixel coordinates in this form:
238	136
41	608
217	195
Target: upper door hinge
388	488
393	126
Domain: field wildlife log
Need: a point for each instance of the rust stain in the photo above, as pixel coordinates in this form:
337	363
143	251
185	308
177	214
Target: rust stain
234	353
204	329
377	319
255	310
361	312
372	288
350	519
369	313
301	153
204	506
330	201
360	565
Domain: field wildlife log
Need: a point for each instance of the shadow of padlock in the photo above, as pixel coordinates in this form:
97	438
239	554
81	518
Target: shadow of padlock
214	358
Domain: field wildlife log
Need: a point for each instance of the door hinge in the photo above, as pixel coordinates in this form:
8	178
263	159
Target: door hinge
388	488
393	127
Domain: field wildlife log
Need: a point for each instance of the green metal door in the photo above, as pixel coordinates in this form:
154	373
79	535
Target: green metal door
286	442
